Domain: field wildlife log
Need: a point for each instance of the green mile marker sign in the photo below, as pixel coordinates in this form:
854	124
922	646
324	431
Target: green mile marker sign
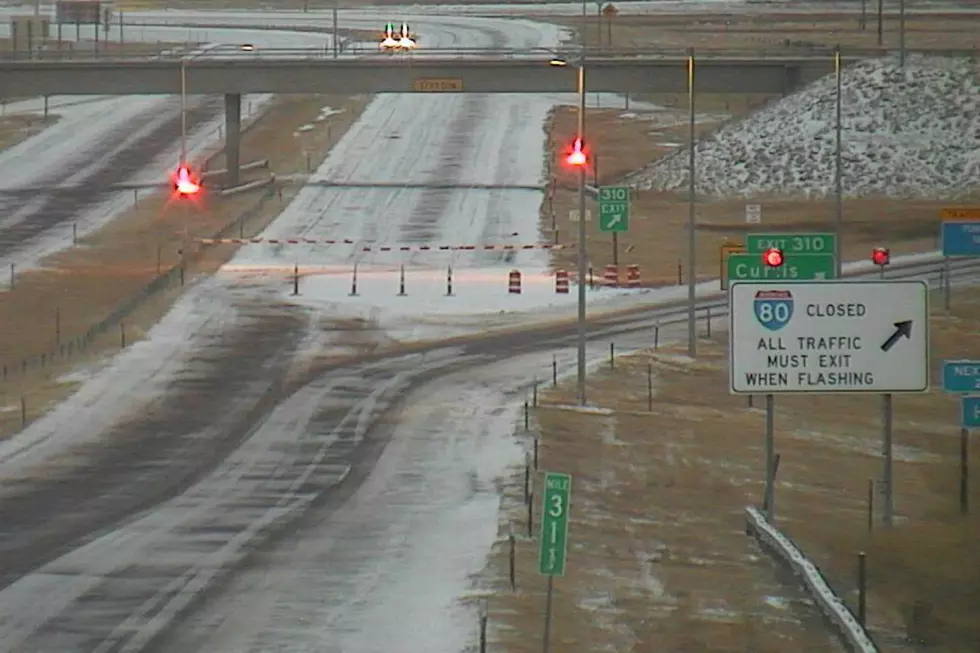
554	524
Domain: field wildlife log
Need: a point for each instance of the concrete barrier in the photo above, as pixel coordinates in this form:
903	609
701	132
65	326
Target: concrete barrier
853	634
252	185
254	165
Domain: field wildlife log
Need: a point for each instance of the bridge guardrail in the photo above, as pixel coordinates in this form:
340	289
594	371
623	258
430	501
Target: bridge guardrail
221	51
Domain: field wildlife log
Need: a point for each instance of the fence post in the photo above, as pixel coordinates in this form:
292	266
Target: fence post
862	587
512	556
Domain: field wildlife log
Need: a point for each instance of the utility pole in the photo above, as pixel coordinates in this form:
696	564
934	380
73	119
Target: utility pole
582	254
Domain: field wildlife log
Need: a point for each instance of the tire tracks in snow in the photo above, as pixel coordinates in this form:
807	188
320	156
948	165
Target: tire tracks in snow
119	592
122	154
229	382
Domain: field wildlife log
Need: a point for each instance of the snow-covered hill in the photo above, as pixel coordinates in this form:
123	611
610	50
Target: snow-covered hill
906	133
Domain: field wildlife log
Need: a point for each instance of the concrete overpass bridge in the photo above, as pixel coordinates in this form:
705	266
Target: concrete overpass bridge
312	71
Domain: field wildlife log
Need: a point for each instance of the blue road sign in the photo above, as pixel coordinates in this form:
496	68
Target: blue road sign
961	238
971	412
961	376
773	308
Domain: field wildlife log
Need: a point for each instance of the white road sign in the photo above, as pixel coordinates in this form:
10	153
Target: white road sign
753	213
829	337
573	215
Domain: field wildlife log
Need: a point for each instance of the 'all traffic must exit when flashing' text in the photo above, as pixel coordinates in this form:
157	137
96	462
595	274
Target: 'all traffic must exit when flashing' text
813	361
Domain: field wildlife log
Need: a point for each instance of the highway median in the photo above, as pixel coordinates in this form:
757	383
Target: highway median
49	310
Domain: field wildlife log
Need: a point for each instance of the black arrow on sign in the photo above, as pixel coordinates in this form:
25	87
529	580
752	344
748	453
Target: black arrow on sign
901	329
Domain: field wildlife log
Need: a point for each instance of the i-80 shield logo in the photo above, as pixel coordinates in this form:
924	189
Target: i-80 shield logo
773	308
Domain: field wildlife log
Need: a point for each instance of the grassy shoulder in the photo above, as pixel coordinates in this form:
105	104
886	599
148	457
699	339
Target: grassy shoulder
658	558
776	31
82	285
659	492
625	141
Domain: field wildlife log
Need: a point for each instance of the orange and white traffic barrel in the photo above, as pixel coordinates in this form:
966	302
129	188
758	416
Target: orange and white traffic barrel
633	276
611	275
561	282
514	282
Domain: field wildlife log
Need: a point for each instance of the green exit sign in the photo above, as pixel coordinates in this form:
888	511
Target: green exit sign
790	243
796	267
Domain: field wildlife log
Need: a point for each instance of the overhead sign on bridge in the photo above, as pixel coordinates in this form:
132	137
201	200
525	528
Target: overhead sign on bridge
829	337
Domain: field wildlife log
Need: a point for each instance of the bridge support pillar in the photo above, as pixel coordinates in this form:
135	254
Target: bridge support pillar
233	136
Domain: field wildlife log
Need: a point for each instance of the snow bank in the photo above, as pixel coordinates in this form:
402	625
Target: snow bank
906	133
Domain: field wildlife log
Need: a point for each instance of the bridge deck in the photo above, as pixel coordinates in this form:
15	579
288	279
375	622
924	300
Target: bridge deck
308	74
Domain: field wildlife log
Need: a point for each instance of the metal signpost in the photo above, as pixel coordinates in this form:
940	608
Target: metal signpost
960	236
554	537
963	377
797	267
614	214
829	337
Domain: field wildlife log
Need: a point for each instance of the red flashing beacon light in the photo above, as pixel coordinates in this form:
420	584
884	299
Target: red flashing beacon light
773	257
184	182
881	256
577	157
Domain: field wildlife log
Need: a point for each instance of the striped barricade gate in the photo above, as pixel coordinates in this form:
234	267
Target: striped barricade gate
633	276
514	282
561	282
611	275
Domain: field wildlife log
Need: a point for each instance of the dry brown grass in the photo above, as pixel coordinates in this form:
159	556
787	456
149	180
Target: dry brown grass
81	286
691	465
658	557
656	240
779	32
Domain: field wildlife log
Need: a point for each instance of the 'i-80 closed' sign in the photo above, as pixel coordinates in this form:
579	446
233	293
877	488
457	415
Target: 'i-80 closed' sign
829	337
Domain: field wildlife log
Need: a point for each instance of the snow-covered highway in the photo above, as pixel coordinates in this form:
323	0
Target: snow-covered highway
146	457
266	472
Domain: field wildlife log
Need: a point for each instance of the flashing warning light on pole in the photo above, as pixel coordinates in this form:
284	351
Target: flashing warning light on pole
881	256
184	182
773	257
577	157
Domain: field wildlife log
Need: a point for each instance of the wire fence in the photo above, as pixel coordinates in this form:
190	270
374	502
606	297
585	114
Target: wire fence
174	276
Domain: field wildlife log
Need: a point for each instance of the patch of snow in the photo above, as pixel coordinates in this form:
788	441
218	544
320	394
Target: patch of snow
607	433
909	132
678	359
778	602
588	410
718	613
476	291
647	578
598	603
326	112
869	446
305	128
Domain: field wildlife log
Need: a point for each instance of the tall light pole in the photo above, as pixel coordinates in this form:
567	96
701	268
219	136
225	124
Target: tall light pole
582	254
838	164
183	111
582	258
692	335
